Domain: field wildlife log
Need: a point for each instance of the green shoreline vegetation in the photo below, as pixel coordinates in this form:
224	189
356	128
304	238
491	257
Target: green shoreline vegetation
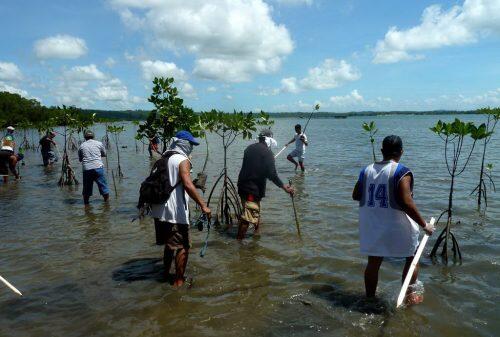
17	110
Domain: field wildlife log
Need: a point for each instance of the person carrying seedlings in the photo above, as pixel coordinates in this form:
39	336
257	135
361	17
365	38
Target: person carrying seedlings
388	216
90	153
8	160
47	145
172	217
258	166
300	140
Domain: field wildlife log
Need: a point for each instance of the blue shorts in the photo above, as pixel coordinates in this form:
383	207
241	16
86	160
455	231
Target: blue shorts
97	175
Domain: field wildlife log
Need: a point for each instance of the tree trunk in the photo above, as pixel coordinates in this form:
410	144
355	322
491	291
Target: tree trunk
481	175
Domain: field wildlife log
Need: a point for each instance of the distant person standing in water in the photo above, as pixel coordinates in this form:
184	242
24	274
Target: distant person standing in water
300	140
388	216
90	153
47	146
8	160
172	217
258	166
154	142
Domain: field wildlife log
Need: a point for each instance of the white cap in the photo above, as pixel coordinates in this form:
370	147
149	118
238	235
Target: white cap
10	128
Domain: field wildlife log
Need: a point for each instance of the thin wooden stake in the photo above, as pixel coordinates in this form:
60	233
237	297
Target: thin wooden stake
295	211
114	183
14	289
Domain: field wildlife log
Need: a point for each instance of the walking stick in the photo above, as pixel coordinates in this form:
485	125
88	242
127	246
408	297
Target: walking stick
295	211
114	182
406	283
283	149
14	289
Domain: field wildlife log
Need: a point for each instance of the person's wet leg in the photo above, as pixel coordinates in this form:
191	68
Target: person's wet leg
371	275
290	159
242	230
301	163
412	296
181	259
168	256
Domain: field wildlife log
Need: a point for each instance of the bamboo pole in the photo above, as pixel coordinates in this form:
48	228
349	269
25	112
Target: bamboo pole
297	224
114	183
7	283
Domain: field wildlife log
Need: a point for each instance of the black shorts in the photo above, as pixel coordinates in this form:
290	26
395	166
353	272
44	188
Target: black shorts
174	236
4	162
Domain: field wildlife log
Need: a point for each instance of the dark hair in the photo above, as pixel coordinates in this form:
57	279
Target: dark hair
392	146
298	126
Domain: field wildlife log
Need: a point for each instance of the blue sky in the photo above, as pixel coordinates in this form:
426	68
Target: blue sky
275	55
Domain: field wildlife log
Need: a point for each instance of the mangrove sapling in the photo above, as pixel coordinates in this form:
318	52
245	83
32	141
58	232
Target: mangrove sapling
229	126
68	119
105	139
169	114
493	115
457	158
372	130
115	131
136	124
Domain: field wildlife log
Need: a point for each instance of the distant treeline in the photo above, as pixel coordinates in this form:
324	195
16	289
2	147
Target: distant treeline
15	110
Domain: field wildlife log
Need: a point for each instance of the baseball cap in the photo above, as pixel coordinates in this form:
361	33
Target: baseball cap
88	134
392	145
186	135
266	133
10	128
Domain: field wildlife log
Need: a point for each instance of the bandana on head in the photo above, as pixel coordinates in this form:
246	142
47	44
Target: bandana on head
181	145
271	142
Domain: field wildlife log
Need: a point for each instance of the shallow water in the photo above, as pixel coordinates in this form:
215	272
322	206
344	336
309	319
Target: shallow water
93	272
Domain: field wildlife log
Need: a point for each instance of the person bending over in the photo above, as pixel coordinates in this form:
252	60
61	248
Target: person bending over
8	160
258	166
47	146
90	154
388	217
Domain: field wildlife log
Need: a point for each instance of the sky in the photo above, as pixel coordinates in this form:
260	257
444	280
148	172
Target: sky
274	55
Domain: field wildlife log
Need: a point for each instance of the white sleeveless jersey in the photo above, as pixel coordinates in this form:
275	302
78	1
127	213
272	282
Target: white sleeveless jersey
384	229
176	209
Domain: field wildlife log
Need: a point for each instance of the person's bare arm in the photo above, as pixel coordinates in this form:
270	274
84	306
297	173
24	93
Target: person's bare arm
407	203
290	142
356	192
304	140
185	175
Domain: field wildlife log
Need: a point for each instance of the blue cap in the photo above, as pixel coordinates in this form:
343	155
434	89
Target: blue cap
187	136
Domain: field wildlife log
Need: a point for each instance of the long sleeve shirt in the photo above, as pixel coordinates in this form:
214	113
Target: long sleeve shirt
258	166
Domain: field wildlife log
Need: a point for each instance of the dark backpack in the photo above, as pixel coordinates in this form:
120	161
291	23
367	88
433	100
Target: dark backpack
156	189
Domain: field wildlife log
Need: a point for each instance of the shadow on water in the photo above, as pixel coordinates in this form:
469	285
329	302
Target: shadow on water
351	301
145	269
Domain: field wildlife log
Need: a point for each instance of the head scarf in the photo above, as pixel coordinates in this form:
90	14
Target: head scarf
270	141
181	145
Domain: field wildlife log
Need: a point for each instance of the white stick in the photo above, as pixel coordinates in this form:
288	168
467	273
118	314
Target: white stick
10	286
406	283
283	149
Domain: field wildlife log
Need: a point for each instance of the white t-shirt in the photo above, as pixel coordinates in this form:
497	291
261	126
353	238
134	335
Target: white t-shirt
384	229
299	144
176	209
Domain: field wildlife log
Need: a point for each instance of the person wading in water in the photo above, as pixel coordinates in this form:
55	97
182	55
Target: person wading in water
90	153
172	217
47	146
388	216
8	160
258	165
300	140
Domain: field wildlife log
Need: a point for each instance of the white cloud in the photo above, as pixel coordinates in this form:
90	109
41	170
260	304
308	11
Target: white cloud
229	97
295	2
489	98
328	75
112	90
110	62
350	99
10	72
13	90
84	73
211	89
231	40
188	91
60	46
152	69
439	28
